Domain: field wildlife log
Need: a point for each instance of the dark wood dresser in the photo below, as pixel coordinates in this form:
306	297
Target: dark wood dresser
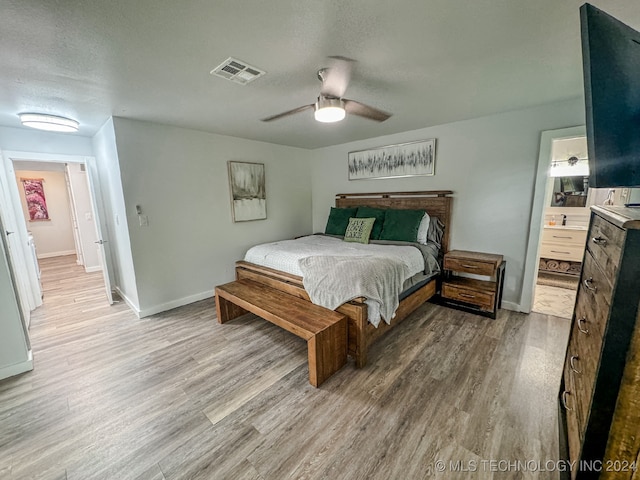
600	391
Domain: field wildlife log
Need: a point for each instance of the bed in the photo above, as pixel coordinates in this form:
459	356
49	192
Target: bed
360	331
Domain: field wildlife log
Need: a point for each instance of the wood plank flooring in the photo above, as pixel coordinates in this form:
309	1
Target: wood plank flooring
178	396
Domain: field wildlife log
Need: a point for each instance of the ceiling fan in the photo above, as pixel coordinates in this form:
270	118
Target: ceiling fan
331	106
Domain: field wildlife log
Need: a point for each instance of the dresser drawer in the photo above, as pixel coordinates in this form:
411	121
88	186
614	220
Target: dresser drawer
567	252
583	356
468	294
594	292
605	243
592	308
564	236
470	266
575	429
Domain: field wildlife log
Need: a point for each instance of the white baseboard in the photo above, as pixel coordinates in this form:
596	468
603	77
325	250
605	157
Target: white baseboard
176	303
128	301
18	368
515	307
56	254
97	268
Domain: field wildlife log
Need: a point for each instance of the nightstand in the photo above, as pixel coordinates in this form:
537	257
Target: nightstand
473	281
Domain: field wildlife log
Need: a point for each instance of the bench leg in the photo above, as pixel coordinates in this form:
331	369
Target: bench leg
327	352
227	310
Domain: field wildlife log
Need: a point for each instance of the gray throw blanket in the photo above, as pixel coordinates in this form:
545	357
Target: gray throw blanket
331	281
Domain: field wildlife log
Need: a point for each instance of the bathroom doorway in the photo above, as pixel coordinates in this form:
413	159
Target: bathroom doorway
560	219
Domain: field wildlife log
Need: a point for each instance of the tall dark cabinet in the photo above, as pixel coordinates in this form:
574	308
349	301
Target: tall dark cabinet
600	391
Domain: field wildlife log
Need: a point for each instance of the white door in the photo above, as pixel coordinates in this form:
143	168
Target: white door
8	310
18	251
101	229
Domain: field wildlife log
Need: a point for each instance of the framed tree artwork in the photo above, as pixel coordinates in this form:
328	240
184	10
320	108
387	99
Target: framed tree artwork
248	195
403	160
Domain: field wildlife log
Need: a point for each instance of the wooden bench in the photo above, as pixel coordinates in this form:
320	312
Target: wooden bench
324	330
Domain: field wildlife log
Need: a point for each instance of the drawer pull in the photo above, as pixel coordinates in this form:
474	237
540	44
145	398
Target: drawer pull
556	251
564	401
466	295
588	283
599	240
560	236
571	360
470	266
580	322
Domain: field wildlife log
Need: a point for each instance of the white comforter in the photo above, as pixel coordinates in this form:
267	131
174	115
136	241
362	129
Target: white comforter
286	255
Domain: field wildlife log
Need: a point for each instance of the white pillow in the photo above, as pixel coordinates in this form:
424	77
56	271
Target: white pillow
423	229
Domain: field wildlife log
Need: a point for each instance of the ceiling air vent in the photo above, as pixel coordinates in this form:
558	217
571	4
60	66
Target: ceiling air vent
237	71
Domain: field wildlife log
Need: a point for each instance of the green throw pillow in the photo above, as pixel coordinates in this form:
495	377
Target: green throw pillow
359	230
401	225
338	220
378	214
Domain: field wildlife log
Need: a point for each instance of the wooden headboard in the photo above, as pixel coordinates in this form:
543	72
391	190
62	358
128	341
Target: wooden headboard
437	203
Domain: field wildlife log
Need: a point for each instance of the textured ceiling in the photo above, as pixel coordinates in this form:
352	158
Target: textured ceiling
428	62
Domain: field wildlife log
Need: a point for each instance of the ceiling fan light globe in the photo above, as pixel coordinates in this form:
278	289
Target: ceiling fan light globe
329	109
329	114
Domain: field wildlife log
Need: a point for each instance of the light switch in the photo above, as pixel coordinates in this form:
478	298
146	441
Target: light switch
144	220
87	216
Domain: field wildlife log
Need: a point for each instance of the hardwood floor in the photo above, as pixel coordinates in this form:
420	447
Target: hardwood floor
178	396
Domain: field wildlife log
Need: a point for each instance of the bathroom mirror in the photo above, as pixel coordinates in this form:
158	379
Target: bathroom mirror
569	191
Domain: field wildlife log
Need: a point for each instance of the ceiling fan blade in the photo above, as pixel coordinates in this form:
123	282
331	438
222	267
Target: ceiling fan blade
290	112
356	108
335	78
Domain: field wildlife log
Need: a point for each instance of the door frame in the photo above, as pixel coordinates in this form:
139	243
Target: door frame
96	204
537	210
73	210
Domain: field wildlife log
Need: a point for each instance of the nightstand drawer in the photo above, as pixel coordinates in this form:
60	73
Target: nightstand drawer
468	294
469	266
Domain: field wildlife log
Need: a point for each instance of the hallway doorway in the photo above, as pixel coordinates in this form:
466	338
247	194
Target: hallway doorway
67	292
72	182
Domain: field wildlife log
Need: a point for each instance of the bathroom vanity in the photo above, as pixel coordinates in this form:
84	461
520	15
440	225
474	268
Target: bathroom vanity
563	243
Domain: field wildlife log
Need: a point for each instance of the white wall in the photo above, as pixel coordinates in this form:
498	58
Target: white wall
30	140
53	237
489	163
179	179
114	227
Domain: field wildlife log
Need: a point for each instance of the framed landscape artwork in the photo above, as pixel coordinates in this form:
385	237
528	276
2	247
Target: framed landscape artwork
403	160
248	195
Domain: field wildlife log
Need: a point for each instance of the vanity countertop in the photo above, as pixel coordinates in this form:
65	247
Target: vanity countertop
566	227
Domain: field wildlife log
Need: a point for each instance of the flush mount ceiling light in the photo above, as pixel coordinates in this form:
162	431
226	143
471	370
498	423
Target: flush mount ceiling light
51	123
329	110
